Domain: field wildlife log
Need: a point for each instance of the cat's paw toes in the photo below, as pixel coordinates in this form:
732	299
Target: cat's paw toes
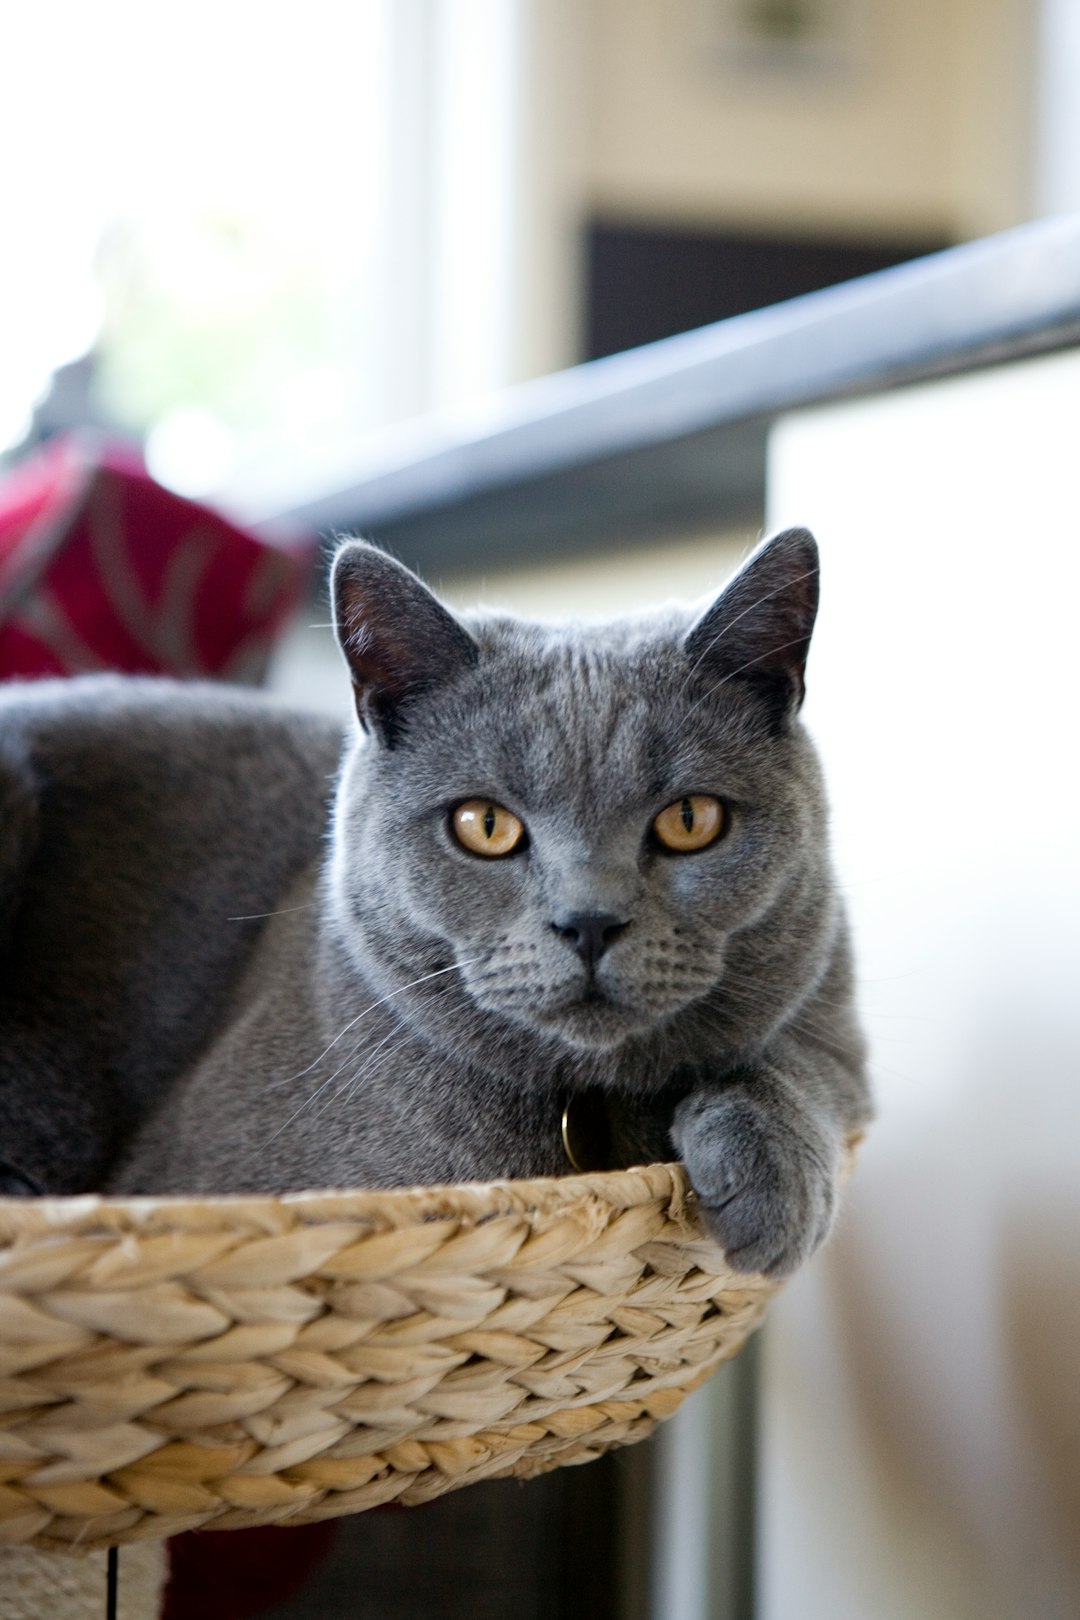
767	1193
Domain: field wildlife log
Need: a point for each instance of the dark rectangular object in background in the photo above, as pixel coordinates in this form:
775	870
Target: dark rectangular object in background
650	281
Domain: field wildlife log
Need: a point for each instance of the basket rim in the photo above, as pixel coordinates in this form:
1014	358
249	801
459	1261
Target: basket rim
382	1208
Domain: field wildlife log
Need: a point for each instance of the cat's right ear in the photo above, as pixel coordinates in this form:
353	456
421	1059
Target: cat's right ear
758	630
397	638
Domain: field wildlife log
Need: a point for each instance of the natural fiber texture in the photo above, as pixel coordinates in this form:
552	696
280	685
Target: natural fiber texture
167	1364
43	1585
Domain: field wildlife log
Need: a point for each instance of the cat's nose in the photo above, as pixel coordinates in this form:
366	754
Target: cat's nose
590	933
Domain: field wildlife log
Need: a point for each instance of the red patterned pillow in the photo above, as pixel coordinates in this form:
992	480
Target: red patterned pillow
102	569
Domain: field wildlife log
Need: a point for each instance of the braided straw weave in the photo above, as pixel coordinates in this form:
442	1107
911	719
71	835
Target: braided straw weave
166	1364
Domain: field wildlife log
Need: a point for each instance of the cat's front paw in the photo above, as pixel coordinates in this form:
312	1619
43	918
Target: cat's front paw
767	1183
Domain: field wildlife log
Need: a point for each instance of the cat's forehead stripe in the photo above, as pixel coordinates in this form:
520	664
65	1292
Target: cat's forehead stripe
576	719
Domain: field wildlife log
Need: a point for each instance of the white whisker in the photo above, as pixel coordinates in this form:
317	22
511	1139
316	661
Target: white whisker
318	1090
345	1090
375	1005
400	991
257	916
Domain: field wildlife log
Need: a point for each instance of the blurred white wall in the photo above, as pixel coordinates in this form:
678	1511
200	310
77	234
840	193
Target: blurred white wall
922	1378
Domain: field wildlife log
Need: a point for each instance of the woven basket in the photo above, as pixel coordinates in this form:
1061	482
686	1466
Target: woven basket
166	1364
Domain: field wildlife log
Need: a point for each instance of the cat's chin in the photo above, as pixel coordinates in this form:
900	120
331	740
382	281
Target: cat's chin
593	1024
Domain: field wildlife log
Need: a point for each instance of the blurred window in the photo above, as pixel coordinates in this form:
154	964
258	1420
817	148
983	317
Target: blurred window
229	222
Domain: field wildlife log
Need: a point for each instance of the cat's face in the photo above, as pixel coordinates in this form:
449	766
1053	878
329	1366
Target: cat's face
580	829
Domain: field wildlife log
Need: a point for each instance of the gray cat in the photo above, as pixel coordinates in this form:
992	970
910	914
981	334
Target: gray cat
575	898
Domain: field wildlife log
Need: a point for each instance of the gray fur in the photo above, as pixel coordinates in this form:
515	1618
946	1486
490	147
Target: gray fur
137	818
415	1012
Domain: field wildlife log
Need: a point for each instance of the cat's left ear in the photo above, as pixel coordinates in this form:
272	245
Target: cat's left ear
759	629
397	638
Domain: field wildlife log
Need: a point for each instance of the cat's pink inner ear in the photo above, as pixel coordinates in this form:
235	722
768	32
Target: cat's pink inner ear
396	637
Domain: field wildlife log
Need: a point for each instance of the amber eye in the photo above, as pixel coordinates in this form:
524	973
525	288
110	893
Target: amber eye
486	828
690	823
